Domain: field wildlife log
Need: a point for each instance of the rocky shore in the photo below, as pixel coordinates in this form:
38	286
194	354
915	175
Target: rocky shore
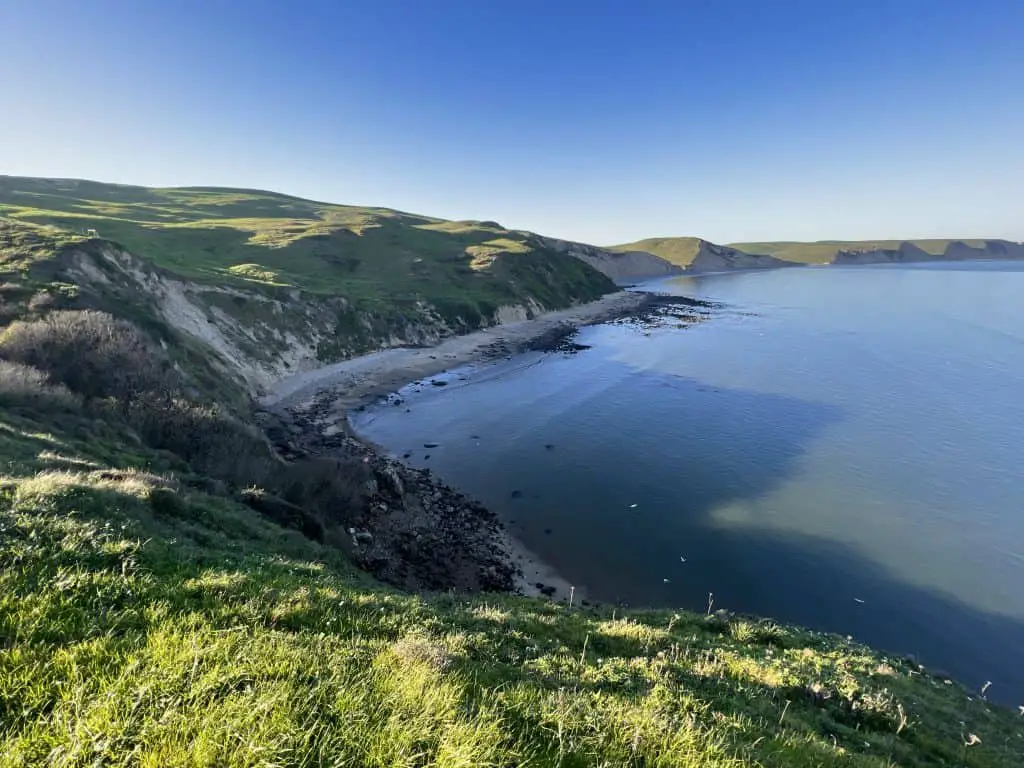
411	529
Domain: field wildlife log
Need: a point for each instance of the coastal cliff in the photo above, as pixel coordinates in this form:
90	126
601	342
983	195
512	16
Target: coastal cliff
718	258
908	252
905	253
620	266
188	579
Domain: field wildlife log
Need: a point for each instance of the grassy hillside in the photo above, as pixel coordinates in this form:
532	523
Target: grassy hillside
147	621
173	592
373	256
680	251
822	251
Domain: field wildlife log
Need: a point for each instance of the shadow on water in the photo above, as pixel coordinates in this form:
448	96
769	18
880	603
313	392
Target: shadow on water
613	478
741	445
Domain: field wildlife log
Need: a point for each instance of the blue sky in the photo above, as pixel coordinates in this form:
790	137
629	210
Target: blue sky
599	121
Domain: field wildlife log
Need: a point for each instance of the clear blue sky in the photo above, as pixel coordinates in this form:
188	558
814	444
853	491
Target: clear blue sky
599	121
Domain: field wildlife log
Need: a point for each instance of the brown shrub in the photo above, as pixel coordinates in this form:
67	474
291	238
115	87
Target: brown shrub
24	386
91	353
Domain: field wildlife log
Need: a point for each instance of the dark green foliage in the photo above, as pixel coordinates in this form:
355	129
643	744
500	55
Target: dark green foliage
331	489
213	442
167	503
283	513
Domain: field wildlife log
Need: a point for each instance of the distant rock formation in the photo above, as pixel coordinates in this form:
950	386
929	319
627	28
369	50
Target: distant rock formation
993	249
717	258
622	267
907	252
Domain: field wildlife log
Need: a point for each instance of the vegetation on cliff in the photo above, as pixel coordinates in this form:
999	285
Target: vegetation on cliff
376	258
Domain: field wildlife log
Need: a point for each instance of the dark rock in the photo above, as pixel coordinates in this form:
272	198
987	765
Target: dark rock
438	383
548	591
517	494
364	537
426	457
549	447
430	445
406	455
389	480
547	531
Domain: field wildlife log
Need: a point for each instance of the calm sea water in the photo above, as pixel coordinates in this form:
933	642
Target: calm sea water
841	448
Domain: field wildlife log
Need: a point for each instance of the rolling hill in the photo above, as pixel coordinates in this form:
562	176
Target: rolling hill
273	283
177	588
251	237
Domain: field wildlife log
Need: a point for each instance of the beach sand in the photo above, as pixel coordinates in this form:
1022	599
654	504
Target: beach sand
360	379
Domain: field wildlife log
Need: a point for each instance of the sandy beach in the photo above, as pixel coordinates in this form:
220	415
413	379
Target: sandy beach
353	382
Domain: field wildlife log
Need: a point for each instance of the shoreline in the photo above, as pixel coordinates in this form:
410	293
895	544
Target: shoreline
316	405
367	377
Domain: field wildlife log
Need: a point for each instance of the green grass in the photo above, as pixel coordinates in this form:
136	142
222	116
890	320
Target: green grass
372	256
146	623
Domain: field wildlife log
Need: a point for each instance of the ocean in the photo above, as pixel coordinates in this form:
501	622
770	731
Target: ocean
838	447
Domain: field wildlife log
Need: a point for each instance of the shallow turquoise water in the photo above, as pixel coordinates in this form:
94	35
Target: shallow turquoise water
839	447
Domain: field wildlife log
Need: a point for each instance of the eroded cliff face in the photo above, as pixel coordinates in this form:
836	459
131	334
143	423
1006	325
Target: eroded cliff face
623	268
718	258
955	251
256	336
993	249
906	253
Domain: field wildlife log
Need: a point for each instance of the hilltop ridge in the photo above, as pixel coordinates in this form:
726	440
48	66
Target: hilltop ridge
684	252
274	284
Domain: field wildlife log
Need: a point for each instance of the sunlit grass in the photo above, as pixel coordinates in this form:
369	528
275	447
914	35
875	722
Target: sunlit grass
210	636
376	257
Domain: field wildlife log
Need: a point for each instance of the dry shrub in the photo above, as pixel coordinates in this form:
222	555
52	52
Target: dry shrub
27	387
92	353
125	376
